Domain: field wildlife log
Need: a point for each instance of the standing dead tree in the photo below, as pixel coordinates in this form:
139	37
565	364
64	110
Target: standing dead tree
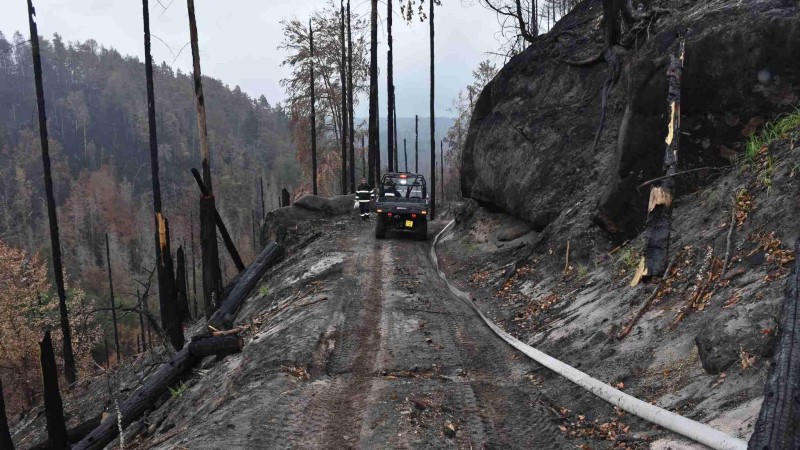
164	268
5	432
776	427
113	303
70	370
433	118
313	112
345	121
180	284
389	85
223	230
53	406
374	141
350	109
660	206
416	143
212	276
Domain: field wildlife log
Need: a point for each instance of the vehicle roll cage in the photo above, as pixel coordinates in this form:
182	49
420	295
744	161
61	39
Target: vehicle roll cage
418	180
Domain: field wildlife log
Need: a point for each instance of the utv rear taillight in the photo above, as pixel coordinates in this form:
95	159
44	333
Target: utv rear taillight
389	214
413	216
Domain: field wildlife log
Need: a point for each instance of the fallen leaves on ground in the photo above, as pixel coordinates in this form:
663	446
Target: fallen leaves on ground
298	372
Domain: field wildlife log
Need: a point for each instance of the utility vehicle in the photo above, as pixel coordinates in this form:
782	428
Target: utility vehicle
402	205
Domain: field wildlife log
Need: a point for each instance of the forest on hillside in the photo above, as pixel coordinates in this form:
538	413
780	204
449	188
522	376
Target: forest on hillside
97	116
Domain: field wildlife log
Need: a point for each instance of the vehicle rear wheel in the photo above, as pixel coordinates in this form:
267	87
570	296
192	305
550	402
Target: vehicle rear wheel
380	228
422	231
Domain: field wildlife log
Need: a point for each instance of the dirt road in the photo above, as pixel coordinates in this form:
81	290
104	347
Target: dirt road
373	353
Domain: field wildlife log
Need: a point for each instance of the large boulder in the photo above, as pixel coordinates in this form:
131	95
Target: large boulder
529	146
305	209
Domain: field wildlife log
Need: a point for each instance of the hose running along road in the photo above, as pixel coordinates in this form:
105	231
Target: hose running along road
691	429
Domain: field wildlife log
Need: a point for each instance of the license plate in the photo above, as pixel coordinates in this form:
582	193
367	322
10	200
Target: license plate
409	224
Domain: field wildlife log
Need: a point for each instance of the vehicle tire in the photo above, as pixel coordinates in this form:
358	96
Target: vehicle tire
422	231
380	228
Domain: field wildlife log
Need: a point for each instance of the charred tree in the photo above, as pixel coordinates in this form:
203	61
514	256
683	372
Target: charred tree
776	427
253	225
222	345
263	208
350	108
113	303
212	276
416	143
394	133
441	166
345	121
389	90
70	371
374	141
194	276
313	112
53	406
166	280
659	209
433	121
223	230
405	154
142	329
170	312
180	282
286	197
5	432
363	161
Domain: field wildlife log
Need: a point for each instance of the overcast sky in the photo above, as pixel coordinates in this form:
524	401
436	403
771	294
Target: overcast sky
239	40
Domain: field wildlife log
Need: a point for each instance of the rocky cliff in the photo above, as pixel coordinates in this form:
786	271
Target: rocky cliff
529	150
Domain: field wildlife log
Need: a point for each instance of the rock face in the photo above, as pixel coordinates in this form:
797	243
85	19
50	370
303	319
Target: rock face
529	146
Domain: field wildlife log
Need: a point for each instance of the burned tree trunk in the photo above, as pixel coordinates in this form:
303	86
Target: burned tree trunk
70	371
142	329
142	399
263	208
394	137
53	407
222	345
389	86
223	230
5	432
113	303
660	206
374	142
194	275
313	112
345	121
433	123
212	277
286	197
166	288
350	109
170	312
363	161
405	154
180	283
777	424
416	143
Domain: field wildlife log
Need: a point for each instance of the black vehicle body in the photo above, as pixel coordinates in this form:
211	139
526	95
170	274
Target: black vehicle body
402	205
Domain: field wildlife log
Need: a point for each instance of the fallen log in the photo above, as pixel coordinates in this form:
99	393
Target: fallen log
74	434
221	345
142	399
223	317
777	424
226	237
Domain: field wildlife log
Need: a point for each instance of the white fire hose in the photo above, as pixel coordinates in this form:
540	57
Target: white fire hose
691	429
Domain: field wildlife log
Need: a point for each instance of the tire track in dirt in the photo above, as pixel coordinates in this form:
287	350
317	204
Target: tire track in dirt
334	415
